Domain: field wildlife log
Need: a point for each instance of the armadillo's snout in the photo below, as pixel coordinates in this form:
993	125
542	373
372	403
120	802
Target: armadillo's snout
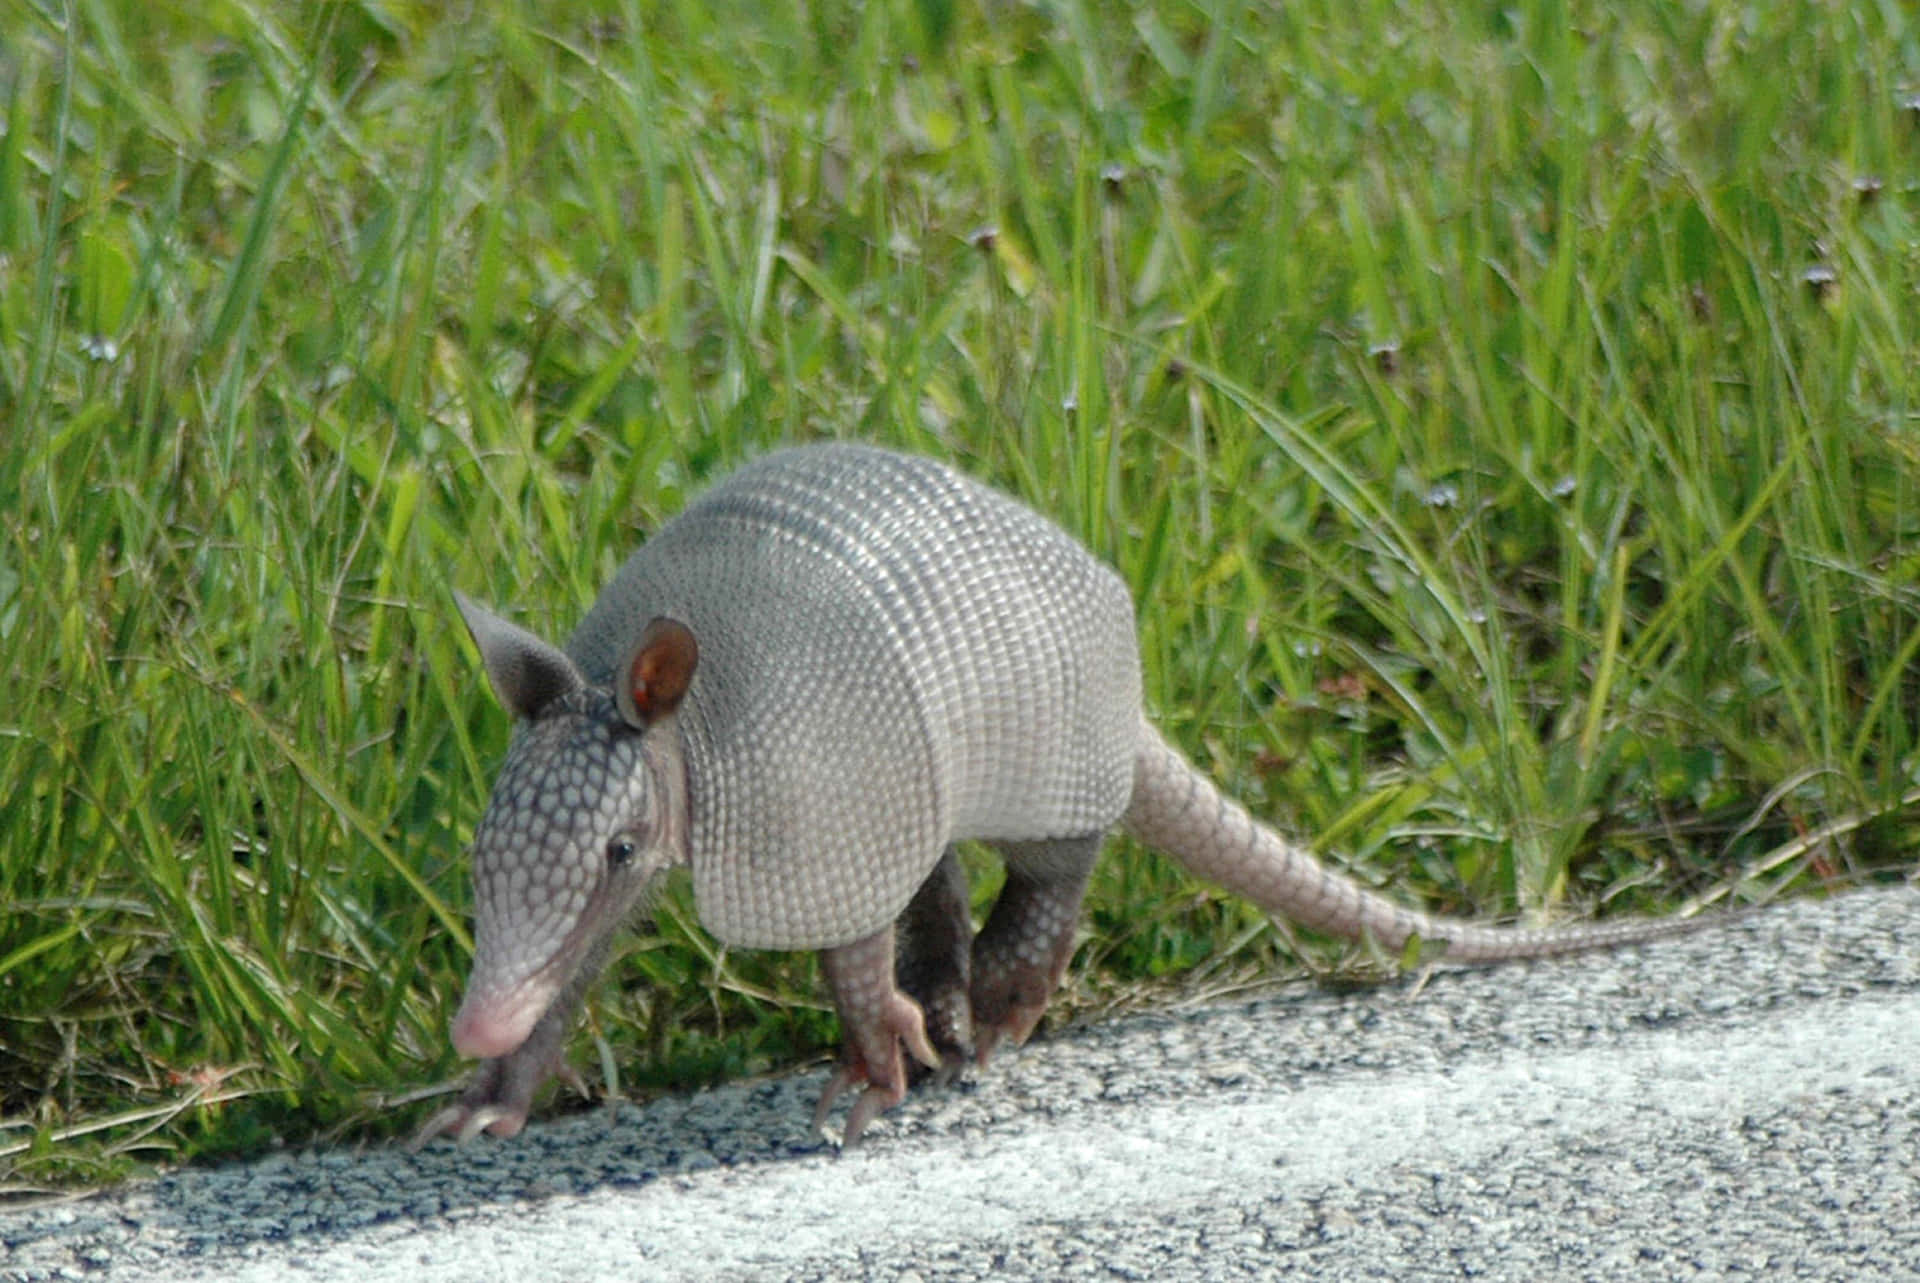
477	1036
488	1028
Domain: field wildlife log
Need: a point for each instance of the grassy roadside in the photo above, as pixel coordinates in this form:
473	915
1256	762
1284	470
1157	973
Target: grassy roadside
1506	420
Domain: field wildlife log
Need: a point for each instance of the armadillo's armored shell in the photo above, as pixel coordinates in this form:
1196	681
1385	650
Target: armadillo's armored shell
891	657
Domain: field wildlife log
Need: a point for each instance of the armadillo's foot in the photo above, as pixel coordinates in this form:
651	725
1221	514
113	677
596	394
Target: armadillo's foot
463	1124
498	1098
934	964
1023	951
1009	1002
875	1020
870	1104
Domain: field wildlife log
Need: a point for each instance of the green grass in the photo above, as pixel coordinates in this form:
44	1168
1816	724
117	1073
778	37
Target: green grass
1507	508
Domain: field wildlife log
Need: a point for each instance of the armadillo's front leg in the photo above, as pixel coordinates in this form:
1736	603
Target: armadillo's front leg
934	965
875	1019
501	1091
1023	951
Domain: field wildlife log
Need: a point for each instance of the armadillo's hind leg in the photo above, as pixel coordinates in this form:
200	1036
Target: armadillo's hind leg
1022	953
875	1020
934	963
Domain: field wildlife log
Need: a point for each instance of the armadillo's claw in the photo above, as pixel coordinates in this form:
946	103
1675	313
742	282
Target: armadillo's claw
463	1122
918	1043
870	1104
873	1102
843	1078
569	1076
494	1118
441	1123
1015	1025
951	1067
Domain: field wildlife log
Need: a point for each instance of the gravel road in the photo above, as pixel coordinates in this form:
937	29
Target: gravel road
1744	1102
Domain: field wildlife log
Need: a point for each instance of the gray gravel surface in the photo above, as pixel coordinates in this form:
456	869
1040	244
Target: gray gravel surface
1744	1102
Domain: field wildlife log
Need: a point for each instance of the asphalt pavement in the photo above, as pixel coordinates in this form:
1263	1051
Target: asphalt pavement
1741	1102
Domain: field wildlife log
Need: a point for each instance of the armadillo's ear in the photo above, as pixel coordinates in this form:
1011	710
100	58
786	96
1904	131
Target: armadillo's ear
649	685
527	673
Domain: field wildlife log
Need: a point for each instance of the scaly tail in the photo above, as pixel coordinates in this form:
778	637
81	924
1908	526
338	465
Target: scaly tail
1177	810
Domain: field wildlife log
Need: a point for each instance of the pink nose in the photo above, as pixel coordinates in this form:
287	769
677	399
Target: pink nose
488	1031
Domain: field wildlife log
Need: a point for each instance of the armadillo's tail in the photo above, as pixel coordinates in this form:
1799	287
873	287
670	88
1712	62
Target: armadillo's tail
1177	810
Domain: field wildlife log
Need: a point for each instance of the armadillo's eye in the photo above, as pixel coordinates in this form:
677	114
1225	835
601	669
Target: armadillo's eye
620	851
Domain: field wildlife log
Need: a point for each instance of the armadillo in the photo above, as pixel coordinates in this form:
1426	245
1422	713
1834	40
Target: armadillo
806	689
